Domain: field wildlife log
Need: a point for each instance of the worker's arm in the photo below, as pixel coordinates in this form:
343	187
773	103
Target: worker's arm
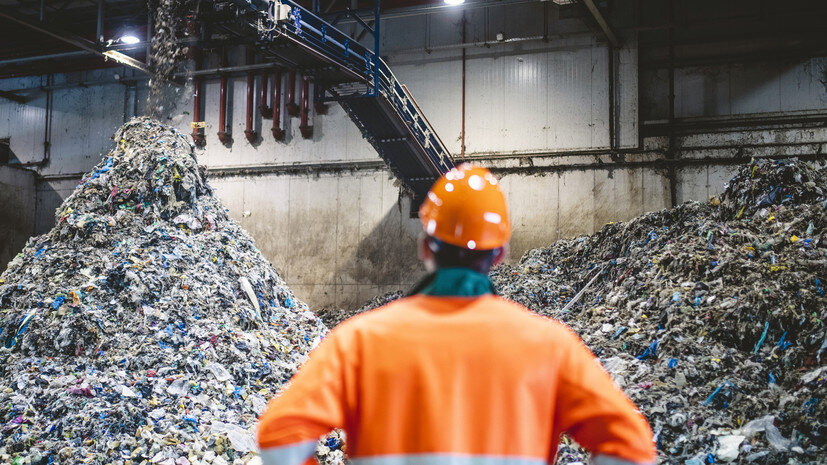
311	406
596	413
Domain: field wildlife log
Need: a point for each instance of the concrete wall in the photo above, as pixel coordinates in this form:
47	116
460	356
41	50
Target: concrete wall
337	226
17	211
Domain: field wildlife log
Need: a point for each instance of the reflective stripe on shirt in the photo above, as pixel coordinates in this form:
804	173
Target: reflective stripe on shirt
293	454
446	459
609	460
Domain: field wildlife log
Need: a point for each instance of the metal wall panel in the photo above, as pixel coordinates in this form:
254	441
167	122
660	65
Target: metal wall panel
736	89
24	125
17	211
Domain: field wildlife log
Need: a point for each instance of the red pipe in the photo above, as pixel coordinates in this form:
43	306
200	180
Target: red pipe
278	132
292	108
262	98
197	123
195	55
304	127
223	135
249	132
197	129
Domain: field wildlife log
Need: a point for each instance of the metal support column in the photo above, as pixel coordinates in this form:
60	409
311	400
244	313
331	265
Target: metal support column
99	29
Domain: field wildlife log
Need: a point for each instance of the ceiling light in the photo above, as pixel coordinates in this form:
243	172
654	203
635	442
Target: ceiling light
130	39
454	2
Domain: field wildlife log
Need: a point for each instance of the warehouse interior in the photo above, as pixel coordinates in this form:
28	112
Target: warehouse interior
321	132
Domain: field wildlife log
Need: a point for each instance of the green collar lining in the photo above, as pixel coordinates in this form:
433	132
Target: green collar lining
455	282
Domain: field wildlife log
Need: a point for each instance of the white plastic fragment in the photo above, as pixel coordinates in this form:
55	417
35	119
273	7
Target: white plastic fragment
728	447
218	370
241	439
248	289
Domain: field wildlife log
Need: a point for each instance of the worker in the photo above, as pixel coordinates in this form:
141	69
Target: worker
453	374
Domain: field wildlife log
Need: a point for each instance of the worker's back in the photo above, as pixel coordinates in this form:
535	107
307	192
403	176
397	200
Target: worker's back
455	375
461	379
458	375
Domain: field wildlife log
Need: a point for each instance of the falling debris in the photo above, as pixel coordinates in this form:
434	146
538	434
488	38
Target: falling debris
711	316
146	326
169	29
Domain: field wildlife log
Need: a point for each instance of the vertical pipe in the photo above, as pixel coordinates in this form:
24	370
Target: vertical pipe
304	127
149	37
197	123
99	36
47	135
134	99
263	108
126	92
290	97
462	143
42	10
612	116
197	132
249	133
278	133
223	135
671	152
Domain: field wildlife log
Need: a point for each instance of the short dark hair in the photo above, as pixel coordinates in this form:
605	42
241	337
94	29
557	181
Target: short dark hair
451	256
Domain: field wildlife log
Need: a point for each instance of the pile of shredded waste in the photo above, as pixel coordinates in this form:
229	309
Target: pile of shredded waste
145	327
333	317
711	316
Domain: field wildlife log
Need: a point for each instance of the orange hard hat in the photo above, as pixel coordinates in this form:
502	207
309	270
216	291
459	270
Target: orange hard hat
466	208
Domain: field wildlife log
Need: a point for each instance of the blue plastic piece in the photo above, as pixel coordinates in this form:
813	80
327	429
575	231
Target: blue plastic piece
651	351
716	391
58	302
784	345
763	337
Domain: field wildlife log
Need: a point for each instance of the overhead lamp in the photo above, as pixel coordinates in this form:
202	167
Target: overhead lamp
454	2
130	39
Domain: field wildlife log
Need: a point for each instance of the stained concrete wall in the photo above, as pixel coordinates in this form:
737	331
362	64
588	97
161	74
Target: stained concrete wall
338	227
337	240
17	211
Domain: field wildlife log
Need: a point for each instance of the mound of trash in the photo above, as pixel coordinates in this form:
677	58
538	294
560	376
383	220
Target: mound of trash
334	317
711	316
145	327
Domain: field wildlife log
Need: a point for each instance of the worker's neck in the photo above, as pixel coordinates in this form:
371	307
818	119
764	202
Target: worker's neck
458	282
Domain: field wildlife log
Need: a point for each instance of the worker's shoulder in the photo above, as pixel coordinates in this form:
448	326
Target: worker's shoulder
372	316
527	317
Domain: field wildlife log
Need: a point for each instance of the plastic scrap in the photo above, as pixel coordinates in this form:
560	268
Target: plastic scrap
728	447
706	284
149	328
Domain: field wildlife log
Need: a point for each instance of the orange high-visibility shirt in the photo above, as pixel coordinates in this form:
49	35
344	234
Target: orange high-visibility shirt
453	381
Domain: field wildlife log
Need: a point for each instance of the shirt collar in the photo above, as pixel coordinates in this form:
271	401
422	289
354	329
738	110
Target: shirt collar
457	282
